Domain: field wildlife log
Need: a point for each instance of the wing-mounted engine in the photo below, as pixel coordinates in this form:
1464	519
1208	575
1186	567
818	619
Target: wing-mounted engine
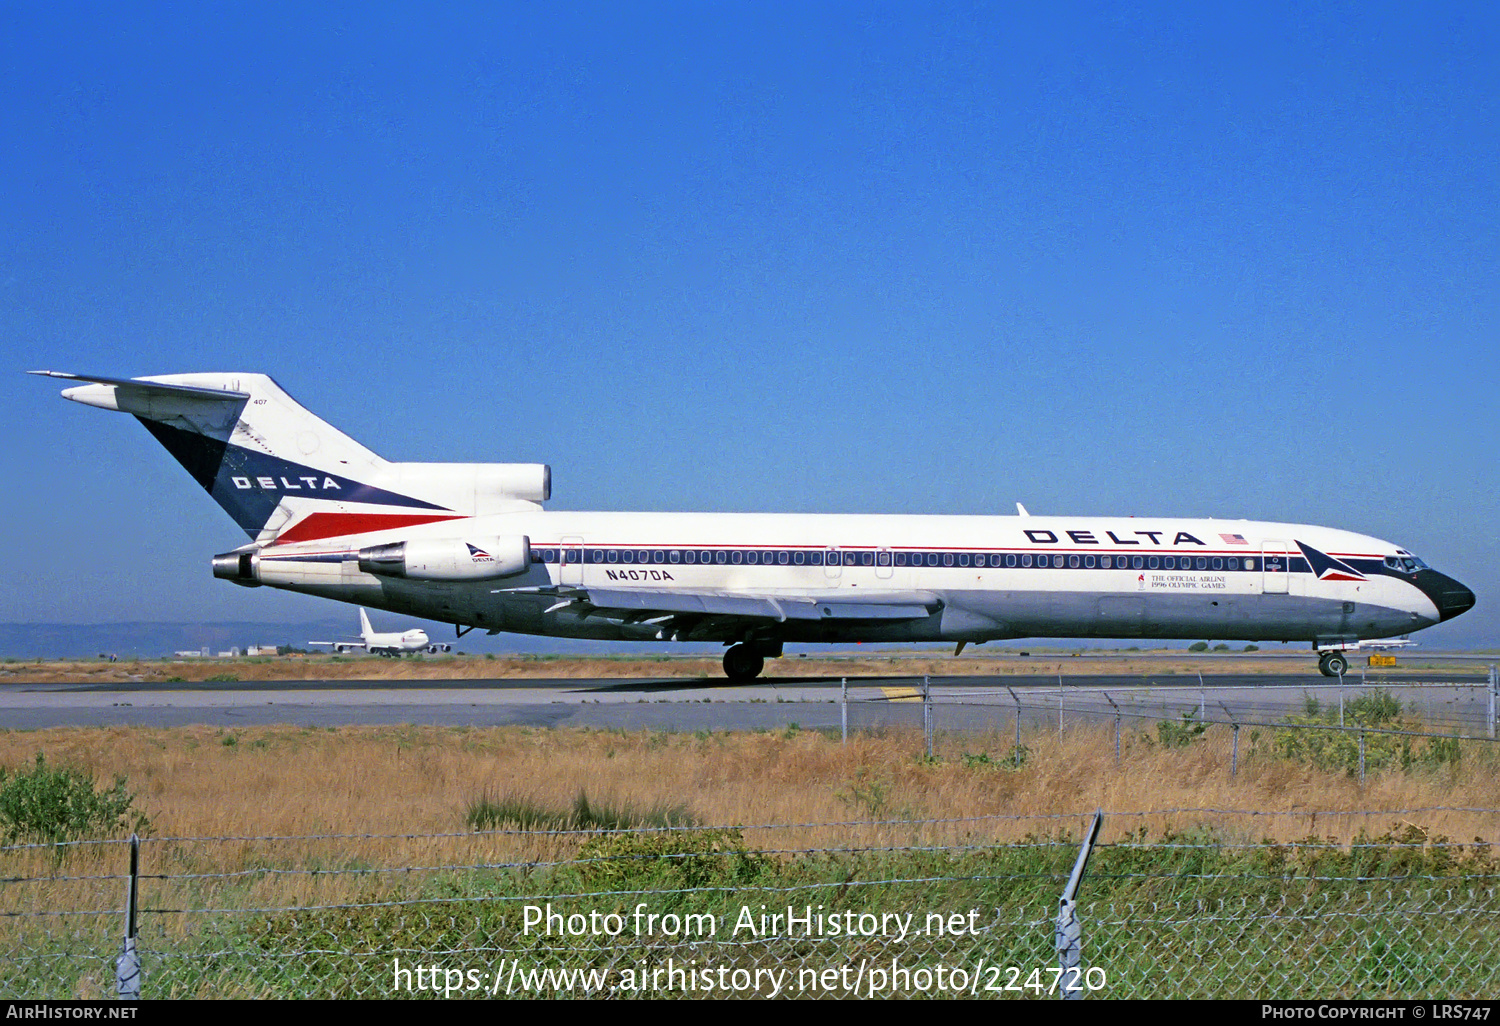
449	559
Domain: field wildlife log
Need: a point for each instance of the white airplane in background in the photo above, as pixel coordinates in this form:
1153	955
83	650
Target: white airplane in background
1379	645
471	545
391	643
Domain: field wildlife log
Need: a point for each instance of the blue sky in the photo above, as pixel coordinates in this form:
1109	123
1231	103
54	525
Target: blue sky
1100	259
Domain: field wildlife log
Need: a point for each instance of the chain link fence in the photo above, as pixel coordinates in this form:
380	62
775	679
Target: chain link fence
1353	727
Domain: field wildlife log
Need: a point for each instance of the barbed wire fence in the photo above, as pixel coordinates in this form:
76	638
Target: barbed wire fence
1174	903
898	908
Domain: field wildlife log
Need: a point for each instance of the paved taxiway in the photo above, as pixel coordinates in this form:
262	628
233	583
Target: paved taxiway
1457	701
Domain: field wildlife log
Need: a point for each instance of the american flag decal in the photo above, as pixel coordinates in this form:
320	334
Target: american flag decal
1234	539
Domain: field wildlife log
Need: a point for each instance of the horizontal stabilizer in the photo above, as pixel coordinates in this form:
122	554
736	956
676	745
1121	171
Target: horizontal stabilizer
137	386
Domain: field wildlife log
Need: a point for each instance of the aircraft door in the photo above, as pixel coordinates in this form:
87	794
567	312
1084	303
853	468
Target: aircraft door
833	563
570	562
884	564
1276	567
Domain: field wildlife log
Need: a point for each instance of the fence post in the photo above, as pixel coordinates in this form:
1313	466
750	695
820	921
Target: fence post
128	964
1361	758
1494	689
844	710
1111	701
927	712
1069	934
1016	751
1234	748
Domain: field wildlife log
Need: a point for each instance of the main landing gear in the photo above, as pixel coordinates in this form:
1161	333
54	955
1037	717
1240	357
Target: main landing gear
1333	664
743	662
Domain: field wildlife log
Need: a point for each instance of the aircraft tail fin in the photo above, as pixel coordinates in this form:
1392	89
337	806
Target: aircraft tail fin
286	476
365	630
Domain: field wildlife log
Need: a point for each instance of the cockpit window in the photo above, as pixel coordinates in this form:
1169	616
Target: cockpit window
1405	564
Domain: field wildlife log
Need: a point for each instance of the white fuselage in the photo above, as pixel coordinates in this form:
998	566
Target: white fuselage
982	578
392	643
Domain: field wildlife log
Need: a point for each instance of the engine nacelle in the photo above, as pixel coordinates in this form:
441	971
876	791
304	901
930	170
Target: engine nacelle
239	567
474	489
449	559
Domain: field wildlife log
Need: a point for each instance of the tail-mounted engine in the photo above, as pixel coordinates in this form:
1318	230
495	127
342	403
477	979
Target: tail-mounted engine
239	567
448	559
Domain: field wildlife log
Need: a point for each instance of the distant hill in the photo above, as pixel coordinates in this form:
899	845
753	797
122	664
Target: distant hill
152	640
69	640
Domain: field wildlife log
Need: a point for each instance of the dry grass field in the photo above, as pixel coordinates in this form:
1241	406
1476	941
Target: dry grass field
418	780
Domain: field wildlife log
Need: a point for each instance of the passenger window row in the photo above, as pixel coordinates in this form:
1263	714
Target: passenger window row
883	557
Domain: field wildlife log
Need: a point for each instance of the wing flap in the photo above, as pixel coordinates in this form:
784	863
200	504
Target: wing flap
780	608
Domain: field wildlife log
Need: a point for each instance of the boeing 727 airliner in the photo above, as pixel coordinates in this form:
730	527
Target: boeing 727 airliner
471	545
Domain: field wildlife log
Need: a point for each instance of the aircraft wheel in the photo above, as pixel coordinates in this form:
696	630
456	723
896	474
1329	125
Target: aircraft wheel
742	663
1333	664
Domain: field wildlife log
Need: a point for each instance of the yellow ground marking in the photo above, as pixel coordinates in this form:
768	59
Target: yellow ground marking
902	694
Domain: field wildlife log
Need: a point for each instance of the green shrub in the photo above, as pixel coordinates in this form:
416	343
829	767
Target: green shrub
51	805
679	859
1012	760
1374	708
490	813
519	813
1174	734
1339	749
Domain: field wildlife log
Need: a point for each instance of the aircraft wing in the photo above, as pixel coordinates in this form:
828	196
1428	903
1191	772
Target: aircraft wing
711	615
778	607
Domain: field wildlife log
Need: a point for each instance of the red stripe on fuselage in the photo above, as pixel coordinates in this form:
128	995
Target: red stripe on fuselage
335	525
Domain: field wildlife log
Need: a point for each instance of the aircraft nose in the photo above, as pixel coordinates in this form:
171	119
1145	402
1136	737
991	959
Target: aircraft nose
1456	599
1450	597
